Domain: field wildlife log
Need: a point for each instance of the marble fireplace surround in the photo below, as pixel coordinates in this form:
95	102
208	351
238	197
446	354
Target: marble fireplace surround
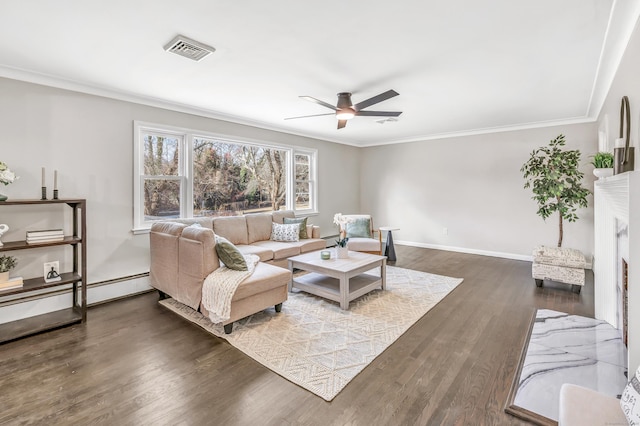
616	225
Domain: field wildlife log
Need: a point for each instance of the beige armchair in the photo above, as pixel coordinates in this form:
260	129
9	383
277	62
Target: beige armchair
360	238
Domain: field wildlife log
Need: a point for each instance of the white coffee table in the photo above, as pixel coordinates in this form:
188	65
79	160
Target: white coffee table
340	280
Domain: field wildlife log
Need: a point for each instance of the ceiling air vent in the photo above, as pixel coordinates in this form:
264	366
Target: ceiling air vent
188	48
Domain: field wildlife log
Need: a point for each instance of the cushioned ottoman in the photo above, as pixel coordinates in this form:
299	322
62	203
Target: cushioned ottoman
563	265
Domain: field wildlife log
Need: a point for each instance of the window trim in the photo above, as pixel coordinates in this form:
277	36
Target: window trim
187	136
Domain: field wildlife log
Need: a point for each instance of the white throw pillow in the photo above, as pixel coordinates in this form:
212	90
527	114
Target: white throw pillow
630	401
288	232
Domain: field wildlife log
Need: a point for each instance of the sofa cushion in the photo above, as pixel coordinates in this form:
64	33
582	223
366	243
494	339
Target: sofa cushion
280	249
363	244
359	228
265	254
302	221
233	228
288	233
163	272
310	244
278	216
230	255
265	277
206	222
258	227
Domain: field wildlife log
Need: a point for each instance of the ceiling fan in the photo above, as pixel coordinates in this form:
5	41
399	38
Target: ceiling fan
345	110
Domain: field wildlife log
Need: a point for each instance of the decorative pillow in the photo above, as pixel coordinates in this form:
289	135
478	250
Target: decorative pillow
630	401
195	225
360	228
303	225
289	232
230	255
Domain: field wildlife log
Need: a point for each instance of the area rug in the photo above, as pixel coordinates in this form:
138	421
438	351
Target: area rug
320	347
564	348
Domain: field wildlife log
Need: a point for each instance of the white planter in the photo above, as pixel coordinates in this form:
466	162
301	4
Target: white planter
602	173
342	252
4	277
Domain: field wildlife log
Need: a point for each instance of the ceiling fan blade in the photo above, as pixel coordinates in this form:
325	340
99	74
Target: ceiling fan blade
379	113
307	116
319	102
341	124
376	99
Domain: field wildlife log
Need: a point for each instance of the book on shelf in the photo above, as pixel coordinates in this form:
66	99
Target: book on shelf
43	237
45	233
14	282
42	240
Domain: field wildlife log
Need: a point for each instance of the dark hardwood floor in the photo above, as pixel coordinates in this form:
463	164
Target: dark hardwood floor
135	362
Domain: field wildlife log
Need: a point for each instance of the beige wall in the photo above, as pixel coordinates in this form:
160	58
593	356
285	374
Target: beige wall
473	187
89	140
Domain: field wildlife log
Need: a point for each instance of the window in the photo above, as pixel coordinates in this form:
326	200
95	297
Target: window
182	173
303	181
163	178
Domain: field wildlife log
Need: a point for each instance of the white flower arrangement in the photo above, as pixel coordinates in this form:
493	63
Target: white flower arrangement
341	221
6	175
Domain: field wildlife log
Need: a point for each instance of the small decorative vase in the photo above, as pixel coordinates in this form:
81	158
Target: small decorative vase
4	277
602	173
3	197
342	252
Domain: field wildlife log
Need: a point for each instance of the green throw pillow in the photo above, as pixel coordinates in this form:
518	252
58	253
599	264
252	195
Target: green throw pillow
230	255
303	225
360	228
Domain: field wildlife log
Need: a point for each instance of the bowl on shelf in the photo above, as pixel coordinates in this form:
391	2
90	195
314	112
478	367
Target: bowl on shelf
602	173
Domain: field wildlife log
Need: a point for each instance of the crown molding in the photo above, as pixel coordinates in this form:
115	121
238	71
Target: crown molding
66	84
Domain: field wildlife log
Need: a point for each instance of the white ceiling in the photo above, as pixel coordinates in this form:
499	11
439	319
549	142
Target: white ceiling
460	66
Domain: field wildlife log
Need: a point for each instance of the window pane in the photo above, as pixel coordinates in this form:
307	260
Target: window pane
161	155
302	167
231	179
302	196
161	199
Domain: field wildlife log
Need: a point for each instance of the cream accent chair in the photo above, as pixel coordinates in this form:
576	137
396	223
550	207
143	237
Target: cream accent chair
367	245
580	406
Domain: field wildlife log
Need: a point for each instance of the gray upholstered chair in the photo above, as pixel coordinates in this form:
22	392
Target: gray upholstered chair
362	235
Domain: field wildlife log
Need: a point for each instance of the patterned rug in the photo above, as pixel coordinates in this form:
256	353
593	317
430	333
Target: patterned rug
318	346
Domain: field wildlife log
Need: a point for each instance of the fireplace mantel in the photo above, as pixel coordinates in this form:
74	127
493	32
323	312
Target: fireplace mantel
617	205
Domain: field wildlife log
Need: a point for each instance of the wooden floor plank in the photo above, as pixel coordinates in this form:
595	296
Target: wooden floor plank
135	362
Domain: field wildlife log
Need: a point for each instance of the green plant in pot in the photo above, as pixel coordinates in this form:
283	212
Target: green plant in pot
7	263
552	173
603	164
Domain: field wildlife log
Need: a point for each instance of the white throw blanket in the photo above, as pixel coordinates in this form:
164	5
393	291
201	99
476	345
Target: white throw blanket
220	286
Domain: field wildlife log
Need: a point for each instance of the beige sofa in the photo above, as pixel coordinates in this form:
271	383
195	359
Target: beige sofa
182	256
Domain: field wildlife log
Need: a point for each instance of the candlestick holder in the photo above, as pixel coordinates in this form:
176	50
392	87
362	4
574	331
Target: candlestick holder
44	193
55	194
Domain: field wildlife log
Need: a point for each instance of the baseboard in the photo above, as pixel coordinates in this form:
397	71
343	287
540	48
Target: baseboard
513	256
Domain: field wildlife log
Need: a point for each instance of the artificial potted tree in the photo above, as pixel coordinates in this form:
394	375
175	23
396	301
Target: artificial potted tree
603	164
553	175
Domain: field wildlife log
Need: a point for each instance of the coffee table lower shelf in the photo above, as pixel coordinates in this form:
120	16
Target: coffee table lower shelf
329	288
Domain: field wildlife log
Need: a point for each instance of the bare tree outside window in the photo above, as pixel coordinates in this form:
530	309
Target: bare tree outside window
303	184
180	173
161	164
230	179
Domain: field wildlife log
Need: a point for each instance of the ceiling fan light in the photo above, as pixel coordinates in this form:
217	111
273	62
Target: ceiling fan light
345	114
